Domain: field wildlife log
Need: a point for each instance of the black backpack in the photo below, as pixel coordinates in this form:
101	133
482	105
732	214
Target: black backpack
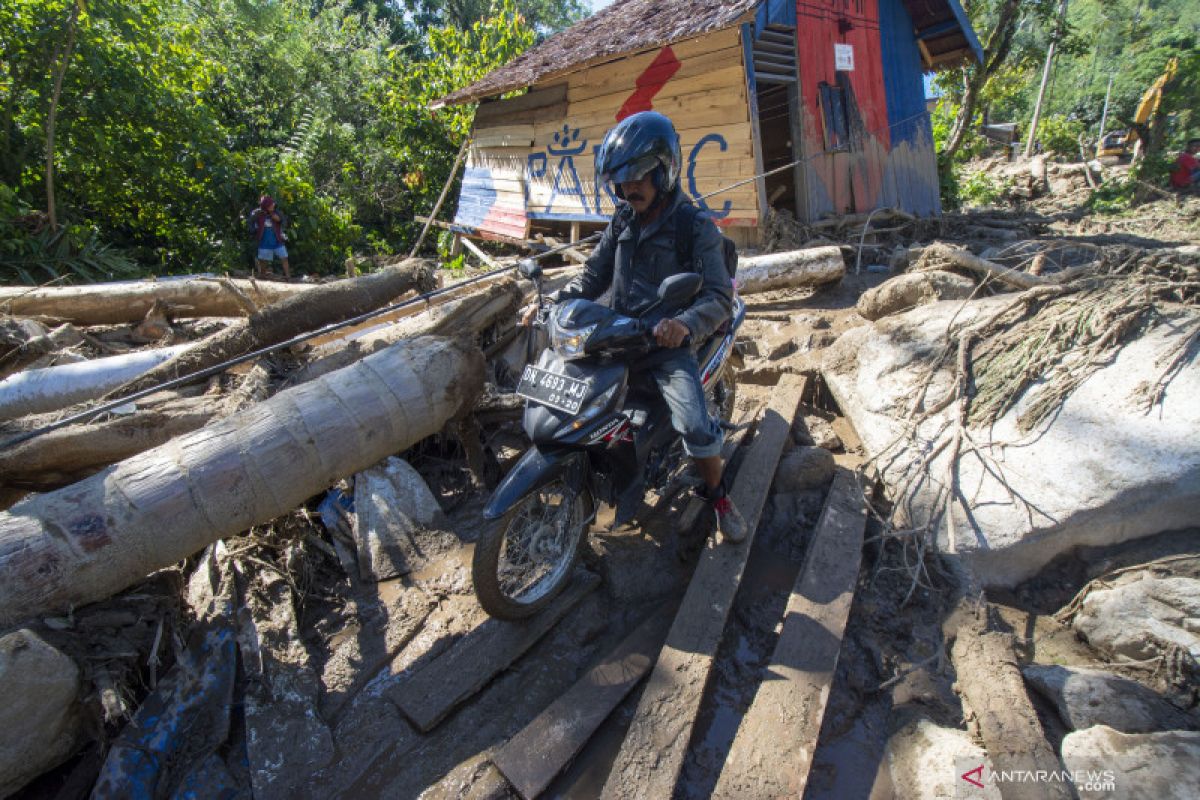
685	240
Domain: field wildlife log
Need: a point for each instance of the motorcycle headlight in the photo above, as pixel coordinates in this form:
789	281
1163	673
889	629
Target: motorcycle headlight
569	342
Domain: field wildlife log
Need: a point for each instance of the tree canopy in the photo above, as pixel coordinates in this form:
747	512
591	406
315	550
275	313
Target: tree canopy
164	120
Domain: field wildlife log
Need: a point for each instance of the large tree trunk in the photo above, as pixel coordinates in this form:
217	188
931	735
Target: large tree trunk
63	59
306	312
119	303
811	267
995	53
37	391
63	456
989	680
94	538
463	318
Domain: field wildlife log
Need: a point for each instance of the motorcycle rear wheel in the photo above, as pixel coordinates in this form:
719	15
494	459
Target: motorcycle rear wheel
523	561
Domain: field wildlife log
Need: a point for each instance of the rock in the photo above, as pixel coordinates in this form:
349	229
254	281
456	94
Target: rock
398	525
803	468
1143	766
287	741
637	568
924	761
1098	472
910	290
814	431
39	714
1143	617
1087	697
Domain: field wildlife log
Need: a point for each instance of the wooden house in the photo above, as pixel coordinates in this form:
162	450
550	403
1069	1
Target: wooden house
751	85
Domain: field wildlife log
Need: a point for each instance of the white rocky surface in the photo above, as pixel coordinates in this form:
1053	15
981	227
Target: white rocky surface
1143	766
1100	471
924	761
38	713
1086	697
398	524
1143	617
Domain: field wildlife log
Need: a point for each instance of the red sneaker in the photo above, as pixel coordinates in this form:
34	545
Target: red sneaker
730	522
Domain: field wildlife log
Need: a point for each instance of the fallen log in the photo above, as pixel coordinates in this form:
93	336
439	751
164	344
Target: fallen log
990	682
25	341
464	317
63	456
96	537
305	312
1022	280
811	267
129	302
37	391
66	455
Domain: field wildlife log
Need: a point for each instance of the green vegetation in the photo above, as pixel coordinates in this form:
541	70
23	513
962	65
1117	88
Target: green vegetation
164	120
1127	41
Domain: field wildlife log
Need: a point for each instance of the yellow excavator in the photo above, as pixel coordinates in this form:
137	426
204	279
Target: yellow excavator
1123	144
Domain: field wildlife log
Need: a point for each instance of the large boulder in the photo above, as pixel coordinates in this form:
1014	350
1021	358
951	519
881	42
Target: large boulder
1087	697
39	714
1099	471
1143	617
1133	766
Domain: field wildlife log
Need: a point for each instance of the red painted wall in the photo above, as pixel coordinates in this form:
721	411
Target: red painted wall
842	182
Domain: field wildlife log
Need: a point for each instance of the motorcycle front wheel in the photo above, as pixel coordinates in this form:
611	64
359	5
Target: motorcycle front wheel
523	561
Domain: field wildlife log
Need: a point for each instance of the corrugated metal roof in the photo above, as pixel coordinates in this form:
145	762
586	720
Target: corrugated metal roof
630	26
944	32
626	26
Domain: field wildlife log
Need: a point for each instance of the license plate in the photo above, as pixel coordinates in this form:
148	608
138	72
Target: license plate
551	389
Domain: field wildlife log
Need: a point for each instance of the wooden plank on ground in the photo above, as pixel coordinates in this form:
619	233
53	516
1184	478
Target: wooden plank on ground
773	750
432	692
733	440
531	759
654	748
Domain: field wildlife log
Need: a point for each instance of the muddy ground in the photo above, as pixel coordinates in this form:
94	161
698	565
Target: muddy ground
362	640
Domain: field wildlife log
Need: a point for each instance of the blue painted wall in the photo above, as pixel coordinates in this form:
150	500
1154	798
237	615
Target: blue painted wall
910	181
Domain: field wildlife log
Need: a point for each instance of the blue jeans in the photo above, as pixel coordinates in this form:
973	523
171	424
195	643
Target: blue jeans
678	378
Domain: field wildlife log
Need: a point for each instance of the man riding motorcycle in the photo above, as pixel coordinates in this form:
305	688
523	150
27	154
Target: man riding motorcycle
640	159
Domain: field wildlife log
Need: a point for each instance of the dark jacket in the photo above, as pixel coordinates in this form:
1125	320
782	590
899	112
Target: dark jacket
638	260
257	223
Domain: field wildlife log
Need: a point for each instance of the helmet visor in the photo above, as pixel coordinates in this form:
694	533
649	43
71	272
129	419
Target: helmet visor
633	170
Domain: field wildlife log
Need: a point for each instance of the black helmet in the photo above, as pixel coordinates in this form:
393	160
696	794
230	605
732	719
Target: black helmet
638	144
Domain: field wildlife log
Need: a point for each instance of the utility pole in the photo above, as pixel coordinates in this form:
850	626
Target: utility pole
1037	108
1104	115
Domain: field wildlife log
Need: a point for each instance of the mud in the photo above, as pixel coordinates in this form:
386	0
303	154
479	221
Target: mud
364	639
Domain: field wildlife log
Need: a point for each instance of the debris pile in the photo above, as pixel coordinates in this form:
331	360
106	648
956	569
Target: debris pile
257	582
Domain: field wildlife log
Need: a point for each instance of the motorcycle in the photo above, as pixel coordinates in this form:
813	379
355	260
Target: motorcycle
597	435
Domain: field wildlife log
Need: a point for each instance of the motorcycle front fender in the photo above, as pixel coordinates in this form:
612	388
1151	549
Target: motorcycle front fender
539	466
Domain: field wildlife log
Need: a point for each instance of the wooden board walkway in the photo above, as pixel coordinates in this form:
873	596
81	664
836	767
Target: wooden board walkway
773	750
654	748
531	759
433	691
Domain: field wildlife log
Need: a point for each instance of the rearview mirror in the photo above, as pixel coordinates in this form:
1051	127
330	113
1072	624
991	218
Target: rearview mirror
530	268
678	289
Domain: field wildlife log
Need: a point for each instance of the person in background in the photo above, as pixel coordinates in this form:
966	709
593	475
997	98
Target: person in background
1187	167
267	225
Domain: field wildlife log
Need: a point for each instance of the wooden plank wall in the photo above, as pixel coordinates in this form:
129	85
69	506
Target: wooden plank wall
842	182
910	181
532	156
